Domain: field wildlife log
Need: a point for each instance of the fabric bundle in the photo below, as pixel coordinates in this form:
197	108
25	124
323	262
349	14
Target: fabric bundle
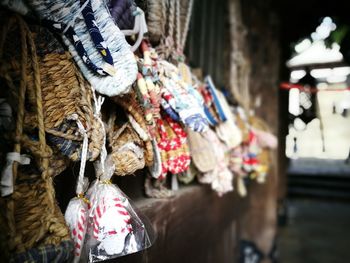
220	178
172	143
182	98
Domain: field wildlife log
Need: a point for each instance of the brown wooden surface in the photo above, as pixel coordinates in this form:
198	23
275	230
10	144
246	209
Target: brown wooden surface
194	226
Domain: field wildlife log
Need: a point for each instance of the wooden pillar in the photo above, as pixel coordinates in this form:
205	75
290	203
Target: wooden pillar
254	34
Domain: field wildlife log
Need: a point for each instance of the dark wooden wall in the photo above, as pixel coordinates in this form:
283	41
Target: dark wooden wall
257	222
208	40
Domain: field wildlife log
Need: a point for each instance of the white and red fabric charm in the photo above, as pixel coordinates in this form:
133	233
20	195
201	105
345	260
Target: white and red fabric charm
76	218
111	221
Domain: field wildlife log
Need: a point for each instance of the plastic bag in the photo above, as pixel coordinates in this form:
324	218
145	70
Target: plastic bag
114	228
77	211
76	218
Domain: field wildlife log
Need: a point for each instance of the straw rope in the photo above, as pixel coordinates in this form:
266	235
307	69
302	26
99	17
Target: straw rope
176	29
167	46
240	67
186	14
156	19
171	18
177	32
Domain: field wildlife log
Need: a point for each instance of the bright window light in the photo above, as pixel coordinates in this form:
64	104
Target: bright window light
336	79
297	74
341	71
303	45
321	73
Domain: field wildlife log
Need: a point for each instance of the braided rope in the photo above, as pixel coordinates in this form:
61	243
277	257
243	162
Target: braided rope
174	39
64	135
166	46
240	67
156	19
177	25
39	105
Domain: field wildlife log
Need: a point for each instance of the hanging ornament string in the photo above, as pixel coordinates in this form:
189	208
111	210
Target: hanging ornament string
98	102
84	152
288	86
76	212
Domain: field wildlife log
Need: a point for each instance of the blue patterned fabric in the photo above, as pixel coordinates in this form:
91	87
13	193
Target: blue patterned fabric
72	36
46	254
210	117
169	110
94	31
196	122
216	101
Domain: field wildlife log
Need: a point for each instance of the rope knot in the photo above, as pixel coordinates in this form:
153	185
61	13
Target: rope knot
82	197
106	182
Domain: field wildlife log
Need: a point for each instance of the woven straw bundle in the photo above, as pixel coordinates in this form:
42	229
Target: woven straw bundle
131	106
65	94
33	217
38	219
127	151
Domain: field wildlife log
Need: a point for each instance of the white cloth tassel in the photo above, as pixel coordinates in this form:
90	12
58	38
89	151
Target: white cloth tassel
174	183
7	172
